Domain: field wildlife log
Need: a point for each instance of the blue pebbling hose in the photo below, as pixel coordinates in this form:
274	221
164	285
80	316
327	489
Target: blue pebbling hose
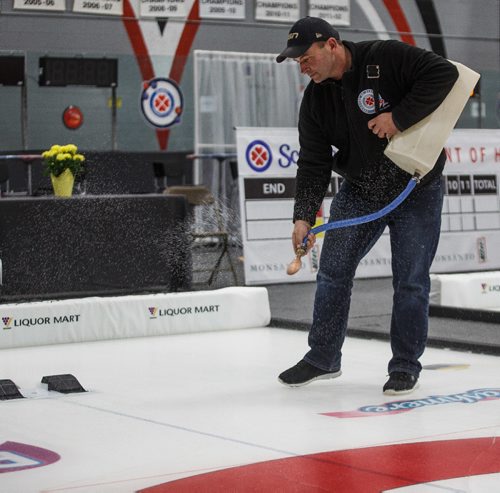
369	217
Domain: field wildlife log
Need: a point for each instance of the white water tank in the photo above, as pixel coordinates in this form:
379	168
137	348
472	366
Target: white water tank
418	147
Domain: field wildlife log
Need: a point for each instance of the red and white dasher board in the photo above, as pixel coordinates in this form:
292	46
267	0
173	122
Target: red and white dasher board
267	164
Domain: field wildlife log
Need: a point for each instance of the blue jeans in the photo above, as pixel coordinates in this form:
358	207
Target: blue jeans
414	229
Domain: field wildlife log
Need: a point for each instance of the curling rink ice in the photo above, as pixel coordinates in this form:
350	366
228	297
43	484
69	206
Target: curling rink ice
204	412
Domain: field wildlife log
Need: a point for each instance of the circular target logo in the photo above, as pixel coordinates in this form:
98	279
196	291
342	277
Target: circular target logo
162	102
366	102
259	155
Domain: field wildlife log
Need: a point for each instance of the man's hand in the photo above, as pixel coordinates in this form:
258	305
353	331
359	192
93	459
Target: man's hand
300	231
383	126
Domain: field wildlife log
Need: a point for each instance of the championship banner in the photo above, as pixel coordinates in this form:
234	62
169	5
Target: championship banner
166	8
222	9
161	50
107	7
271	10
267	164
57	5
336	12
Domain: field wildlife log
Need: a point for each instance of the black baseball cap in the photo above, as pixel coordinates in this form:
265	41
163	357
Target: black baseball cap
303	34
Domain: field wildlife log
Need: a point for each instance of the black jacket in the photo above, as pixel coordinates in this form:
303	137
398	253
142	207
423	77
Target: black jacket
412	84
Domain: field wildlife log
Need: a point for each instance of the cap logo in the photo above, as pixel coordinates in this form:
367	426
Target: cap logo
293	35
319	35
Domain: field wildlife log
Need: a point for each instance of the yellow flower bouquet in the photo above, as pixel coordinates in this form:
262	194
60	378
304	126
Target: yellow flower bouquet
60	158
63	163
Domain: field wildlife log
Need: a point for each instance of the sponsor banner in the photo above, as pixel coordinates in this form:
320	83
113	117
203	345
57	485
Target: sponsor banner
91	319
398	407
106	7
163	8
477	290
222	9
267	165
284	11
21	456
267	159
336	12
59	5
479	148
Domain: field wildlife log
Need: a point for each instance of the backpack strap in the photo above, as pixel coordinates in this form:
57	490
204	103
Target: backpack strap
373	75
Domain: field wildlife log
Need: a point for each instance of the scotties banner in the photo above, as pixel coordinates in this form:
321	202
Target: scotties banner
267	164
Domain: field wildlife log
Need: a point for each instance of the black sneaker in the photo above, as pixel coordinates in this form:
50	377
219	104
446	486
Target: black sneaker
303	373
400	383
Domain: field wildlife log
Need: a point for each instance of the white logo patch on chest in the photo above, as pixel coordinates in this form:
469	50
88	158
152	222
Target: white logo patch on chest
366	102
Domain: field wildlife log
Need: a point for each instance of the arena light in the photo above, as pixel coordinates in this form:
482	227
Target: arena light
72	117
